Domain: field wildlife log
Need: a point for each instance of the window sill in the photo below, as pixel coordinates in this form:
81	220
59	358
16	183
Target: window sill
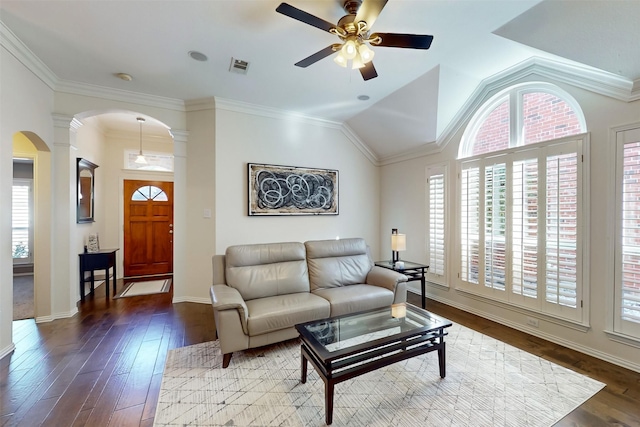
623	339
567	323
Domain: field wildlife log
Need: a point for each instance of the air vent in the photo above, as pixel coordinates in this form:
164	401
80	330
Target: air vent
239	66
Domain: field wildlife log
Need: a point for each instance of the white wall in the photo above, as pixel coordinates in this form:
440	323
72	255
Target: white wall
409	215
25	105
248	137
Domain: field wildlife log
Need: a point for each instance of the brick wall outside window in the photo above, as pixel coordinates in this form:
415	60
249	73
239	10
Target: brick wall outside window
493	135
547	117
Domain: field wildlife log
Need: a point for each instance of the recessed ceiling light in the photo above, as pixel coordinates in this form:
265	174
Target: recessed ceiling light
124	76
363	97
198	56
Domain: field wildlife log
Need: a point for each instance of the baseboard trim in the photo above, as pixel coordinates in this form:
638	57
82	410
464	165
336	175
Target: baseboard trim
56	316
537	333
191	299
7	350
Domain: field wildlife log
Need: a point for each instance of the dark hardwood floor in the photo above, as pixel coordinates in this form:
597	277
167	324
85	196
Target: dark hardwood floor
103	367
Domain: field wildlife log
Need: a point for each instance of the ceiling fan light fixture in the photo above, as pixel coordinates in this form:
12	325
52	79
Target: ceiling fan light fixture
349	49
340	59
357	63
366	54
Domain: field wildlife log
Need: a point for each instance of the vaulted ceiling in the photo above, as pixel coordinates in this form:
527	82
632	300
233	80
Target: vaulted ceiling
415	97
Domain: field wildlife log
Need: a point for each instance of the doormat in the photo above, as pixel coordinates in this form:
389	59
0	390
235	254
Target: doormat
148	287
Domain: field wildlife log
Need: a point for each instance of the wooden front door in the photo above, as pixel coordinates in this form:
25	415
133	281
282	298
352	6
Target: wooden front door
148	228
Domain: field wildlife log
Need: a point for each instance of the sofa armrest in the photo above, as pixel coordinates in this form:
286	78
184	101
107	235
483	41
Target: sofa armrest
385	278
224	297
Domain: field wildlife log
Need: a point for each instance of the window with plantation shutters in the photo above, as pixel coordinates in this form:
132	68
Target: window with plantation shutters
21	221
627	279
528	205
521	202
436	218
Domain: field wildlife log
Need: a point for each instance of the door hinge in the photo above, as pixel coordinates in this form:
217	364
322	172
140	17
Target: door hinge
581	304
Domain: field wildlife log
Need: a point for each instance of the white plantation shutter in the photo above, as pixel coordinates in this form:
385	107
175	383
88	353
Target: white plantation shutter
436	218
470	223
495	225
561	229
21	220
525	236
531	213
627	283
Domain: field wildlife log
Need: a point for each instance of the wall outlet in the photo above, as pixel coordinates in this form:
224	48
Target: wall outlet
532	322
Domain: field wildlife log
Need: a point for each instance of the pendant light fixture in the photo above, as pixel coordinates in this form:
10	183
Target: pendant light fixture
140	159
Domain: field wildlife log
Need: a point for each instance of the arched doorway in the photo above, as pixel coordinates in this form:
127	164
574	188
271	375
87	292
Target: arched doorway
29	146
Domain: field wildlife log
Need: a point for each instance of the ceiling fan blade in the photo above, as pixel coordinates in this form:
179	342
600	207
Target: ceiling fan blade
315	57
369	11
411	41
307	18
368	71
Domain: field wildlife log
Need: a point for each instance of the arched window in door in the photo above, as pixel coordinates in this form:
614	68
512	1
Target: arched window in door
149	192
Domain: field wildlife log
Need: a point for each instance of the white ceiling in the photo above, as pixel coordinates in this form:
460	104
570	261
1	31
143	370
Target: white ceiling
415	97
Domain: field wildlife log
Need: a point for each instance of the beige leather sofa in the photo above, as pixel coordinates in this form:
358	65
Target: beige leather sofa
262	291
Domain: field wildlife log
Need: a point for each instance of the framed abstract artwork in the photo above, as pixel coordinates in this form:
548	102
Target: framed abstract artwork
292	190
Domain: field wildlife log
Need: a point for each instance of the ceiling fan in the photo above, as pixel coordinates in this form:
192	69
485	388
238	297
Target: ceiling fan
353	30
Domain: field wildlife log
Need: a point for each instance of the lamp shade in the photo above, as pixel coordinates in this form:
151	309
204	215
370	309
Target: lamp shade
398	242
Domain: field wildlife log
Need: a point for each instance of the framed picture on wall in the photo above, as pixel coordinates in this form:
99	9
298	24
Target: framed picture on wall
292	190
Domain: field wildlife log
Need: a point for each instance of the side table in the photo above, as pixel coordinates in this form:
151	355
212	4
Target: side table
104	259
412	270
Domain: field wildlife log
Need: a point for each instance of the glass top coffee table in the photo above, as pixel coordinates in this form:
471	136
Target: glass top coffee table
344	347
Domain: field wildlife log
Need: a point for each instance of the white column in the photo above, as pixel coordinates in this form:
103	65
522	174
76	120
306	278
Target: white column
6	260
180	248
64	283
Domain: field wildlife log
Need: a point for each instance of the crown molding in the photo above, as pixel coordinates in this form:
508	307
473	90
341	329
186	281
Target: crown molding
120	95
257	110
275	113
26	57
423	150
359	144
200	104
590	79
635	90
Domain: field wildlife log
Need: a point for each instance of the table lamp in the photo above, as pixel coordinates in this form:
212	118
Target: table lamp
398	243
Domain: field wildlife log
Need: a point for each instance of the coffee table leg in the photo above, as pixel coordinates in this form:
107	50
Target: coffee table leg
441	359
303	367
328	401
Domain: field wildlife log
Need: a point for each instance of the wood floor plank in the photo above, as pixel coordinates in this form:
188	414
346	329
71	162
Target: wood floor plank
70	403
105	405
128	417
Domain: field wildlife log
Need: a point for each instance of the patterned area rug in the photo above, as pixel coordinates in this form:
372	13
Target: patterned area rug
488	383
147	287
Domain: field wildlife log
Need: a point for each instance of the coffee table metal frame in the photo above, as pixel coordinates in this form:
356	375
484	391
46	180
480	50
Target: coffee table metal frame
350	362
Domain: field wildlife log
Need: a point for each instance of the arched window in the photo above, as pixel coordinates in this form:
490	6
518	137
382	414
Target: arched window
521	204
522	115
149	192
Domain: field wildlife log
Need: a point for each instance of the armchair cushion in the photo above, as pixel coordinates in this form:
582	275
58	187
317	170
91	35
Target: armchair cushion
264	270
284	311
336	263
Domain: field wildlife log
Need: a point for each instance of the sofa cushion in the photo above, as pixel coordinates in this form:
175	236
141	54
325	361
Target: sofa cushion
354	298
335	263
284	311
265	270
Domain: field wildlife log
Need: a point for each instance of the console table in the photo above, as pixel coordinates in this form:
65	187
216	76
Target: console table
412	270
104	259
